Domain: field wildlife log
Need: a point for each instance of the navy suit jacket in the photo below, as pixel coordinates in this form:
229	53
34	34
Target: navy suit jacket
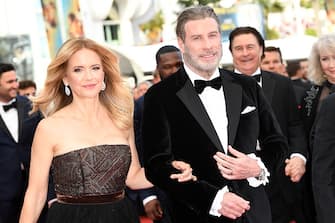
176	126
13	180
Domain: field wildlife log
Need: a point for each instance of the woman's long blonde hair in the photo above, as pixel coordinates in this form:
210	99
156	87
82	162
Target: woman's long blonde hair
116	97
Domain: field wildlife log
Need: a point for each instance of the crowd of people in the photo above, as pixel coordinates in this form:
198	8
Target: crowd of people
198	143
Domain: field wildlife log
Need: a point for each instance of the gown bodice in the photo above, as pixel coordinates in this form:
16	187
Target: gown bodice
91	171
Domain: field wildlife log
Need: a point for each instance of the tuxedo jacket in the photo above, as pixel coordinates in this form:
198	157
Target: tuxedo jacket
323	159
280	93
282	192
12	154
176	126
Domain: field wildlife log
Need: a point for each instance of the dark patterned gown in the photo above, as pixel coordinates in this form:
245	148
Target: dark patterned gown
90	184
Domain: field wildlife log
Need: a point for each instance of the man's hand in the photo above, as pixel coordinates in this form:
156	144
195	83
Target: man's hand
153	210
295	168
186	172
236	168
233	206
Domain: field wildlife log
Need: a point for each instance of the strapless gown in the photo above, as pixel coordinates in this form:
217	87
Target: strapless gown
90	184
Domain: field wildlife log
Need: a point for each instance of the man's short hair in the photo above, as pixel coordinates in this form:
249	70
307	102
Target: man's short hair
273	49
5	67
26	83
165	49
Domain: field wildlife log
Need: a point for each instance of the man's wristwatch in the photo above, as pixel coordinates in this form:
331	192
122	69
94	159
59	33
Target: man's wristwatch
262	175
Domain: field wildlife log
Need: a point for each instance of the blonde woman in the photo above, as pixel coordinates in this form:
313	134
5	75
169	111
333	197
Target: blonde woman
321	72
87	140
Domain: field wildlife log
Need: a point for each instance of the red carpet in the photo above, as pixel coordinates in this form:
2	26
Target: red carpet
145	220
148	220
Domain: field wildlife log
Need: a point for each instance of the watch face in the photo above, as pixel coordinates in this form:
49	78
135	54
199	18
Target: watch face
261	175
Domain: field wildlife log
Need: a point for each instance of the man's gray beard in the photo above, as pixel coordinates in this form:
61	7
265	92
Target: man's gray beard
202	67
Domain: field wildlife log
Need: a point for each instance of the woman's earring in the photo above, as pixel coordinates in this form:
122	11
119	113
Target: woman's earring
67	90
103	86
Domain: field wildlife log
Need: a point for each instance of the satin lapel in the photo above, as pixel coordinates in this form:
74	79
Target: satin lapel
268	86
3	126
193	103
20	113
233	97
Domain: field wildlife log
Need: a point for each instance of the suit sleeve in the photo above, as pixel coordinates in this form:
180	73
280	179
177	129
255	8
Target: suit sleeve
199	195
296	135
272	141
323	162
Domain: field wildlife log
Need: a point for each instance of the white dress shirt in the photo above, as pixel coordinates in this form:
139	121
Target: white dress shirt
11	119
215	105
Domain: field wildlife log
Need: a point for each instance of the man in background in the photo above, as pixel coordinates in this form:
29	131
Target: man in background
297	71
17	129
27	88
153	201
272	60
247	48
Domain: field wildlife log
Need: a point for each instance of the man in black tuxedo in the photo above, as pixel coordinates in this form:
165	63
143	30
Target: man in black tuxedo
184	119
17	128
247	47
323	169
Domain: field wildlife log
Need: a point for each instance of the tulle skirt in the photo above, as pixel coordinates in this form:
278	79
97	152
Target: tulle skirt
122	211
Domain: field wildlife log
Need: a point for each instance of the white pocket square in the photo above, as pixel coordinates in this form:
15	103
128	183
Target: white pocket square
248	109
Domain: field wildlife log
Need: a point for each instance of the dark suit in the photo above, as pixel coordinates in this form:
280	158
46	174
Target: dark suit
176	126
285	195
137	196
323	169
13	156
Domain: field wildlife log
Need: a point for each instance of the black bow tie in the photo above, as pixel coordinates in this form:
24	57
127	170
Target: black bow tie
9	106
200	85
257	77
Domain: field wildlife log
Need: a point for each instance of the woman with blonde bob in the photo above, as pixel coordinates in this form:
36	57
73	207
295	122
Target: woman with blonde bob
321	67
321	71
86	139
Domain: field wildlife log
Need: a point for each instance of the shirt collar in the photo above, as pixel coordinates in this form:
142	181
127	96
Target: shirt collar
7	103
193	76
258	71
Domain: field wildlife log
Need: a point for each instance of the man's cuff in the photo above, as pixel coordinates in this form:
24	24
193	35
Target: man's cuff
263	178
299	155
216	205
149	198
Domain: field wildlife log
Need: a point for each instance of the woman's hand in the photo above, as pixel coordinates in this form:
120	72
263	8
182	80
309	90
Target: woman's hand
186	172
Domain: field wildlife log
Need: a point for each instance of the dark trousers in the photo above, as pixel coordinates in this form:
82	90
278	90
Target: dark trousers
10	211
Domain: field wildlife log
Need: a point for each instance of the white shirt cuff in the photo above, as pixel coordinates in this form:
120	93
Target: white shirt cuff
253	181
149	198
216	205
299	155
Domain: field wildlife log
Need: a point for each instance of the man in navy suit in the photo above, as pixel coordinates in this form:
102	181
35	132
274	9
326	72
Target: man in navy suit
194	115
17	128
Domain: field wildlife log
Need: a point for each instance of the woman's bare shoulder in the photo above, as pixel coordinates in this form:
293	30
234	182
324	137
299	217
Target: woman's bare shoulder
51	123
